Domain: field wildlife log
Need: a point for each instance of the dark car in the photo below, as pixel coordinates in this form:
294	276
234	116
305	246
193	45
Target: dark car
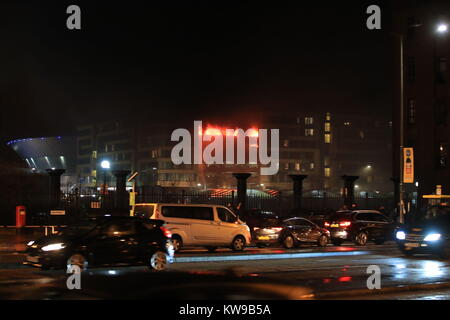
360	226
257	219
429	234
291	232
104	241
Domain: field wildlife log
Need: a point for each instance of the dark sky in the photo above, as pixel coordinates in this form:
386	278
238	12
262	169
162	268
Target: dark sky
186	59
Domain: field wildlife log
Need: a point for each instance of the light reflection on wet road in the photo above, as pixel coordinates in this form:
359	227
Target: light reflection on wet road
323	269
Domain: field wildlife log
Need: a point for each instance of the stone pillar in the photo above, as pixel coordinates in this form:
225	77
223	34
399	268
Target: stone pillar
349	190
121	203
55	187
297	189
242	189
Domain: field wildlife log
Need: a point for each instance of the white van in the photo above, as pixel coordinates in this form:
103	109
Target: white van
198	225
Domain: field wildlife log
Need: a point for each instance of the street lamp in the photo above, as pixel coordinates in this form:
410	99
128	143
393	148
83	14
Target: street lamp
106	165
442	28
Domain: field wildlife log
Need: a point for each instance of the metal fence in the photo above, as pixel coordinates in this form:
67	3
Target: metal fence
83	203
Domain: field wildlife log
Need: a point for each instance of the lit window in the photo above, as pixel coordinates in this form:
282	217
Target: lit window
328	116
94	173
309	132
327	126
309	120
311	165
327	172
94	154
297	166
327	138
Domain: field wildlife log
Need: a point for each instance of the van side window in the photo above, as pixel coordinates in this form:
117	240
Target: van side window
225	215
202	213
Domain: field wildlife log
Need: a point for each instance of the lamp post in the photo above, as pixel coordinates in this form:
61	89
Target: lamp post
106	165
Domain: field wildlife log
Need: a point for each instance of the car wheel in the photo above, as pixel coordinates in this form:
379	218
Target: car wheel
361	238
177	243
379	241
322	241
158	261
337	242
211	249
78	260
288	242
238	243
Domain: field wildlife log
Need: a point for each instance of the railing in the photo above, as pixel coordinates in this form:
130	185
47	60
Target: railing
81	204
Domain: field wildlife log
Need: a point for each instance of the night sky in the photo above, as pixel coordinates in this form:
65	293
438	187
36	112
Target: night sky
189	59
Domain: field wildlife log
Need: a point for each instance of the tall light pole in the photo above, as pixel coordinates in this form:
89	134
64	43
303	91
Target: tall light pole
401	120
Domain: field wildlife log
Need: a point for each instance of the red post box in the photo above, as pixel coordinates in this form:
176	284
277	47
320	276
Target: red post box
21	216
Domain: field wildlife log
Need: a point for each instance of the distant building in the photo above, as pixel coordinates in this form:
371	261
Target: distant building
323	146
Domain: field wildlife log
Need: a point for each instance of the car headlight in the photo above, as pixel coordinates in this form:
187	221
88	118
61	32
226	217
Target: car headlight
30	243
53	247
432	237
400	235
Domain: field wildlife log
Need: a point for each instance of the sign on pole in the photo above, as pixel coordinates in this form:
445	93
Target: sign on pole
132	198
57	212
408	165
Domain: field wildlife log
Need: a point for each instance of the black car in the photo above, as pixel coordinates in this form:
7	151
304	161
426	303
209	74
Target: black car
428	234
257	219
104	241
360	226
291	232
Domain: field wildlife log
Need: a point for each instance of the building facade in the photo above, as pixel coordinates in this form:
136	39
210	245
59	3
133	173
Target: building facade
424	28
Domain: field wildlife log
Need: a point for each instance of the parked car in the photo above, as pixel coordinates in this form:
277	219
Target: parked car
291	232
360	226
429	234
198	225
257	219
104	241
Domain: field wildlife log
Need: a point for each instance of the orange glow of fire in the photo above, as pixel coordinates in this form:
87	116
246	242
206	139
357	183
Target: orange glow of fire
215	131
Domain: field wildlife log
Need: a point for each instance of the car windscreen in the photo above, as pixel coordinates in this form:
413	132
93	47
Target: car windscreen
144	211
79	228
436	214
269	222
340	216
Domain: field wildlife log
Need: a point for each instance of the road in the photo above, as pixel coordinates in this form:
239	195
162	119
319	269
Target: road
331	272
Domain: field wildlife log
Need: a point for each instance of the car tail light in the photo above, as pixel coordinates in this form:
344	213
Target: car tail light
345	224
326	224
166	232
